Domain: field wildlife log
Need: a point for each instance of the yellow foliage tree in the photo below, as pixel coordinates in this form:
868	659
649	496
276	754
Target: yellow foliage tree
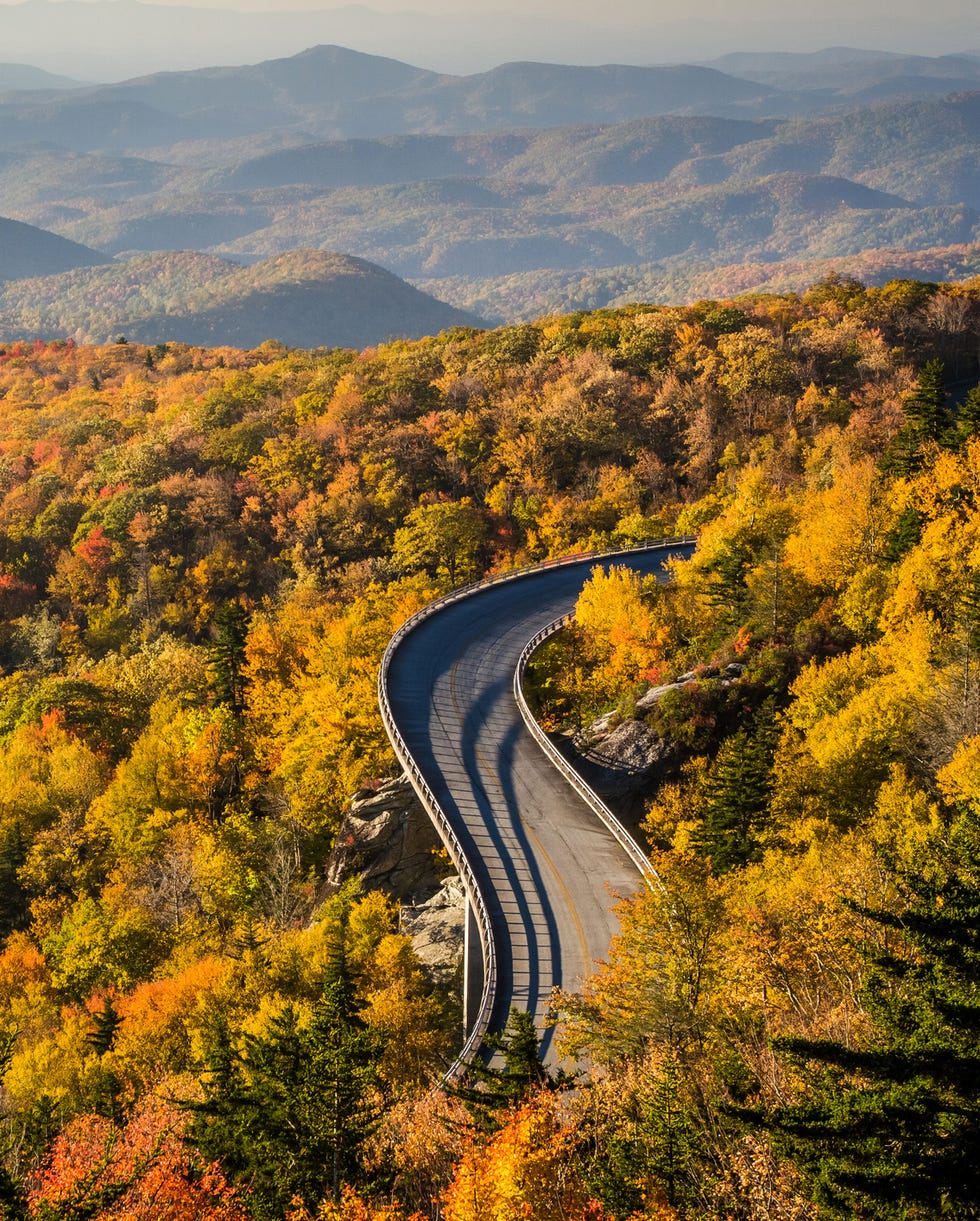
526	1170
623	633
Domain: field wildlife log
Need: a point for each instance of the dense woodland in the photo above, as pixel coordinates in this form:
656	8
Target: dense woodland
202	556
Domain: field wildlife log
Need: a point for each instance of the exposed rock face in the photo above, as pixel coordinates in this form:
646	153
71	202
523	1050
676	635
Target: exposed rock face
623	757
388	841
650	699
621	760
437	930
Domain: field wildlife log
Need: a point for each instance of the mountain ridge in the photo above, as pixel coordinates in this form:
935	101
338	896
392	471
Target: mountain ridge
26	250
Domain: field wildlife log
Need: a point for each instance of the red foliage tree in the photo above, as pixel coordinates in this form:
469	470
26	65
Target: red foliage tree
142	1171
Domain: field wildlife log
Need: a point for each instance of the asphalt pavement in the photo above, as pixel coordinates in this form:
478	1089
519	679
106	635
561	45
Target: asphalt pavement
547	867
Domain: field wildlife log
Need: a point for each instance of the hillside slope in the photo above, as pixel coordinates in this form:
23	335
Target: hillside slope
332	92
305	299
28	251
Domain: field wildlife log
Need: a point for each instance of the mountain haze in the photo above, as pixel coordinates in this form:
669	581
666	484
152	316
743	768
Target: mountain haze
24	76
332	92
254	162
112	39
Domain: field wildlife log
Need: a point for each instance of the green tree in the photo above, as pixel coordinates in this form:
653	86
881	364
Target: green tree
13	1205
287	1114
737	792
651	1139
516	1071
967	422
341	1077
925	408
105	1023
926	419
227	656
443	537
14	913
891	1128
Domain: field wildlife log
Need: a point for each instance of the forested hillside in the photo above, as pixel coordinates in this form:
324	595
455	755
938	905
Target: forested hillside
27	251
203	553
306	298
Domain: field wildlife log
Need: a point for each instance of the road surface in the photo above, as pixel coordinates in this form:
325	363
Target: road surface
546	866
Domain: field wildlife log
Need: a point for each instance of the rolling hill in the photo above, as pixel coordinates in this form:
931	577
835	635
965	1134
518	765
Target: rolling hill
498	212
24	76
848	72
305	299
28	251
332	92
329	92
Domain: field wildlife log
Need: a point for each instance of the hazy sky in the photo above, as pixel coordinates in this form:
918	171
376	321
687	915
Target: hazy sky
466	35
632	12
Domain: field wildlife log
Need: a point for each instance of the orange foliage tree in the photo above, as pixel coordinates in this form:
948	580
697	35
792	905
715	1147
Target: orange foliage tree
142	1171
526	1170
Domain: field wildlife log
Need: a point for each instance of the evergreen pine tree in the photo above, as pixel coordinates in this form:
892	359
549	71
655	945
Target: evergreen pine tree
967	422
227	656
488	1090
105	1089
926	419
14	912
341	1076
653	1145
288	1113
13	1205
904	535
891	1129
737	792
925	407
105	1024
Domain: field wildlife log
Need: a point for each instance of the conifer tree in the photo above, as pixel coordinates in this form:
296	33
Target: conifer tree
106	1088
227	656
341	1076
737	793
489	1090
654	1142
968	416
14	911
891	1129
105	1022
926	419
925	408
287	1114
13	1205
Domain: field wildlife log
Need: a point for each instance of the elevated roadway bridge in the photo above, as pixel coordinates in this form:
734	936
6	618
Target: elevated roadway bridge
541	858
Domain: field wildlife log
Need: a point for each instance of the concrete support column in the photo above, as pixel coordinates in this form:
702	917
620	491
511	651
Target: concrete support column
473	968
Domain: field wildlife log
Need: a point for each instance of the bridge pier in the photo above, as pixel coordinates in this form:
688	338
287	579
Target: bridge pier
473	968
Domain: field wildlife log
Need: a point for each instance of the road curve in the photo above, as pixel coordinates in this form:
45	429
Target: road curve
540	866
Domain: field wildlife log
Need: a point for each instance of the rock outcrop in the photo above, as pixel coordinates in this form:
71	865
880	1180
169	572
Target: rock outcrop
437	929
622	760
650	699
388	842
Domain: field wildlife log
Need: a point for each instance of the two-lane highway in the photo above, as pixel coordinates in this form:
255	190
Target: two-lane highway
546	866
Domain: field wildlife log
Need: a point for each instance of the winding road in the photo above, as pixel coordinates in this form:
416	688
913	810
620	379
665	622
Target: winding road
541	868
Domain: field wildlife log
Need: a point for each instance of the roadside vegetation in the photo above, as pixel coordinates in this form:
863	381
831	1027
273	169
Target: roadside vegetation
202	556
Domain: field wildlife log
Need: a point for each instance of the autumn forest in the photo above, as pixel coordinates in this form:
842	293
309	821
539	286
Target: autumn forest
203	554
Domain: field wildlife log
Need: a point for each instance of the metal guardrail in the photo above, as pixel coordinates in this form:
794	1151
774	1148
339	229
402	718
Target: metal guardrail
588	795
429	801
